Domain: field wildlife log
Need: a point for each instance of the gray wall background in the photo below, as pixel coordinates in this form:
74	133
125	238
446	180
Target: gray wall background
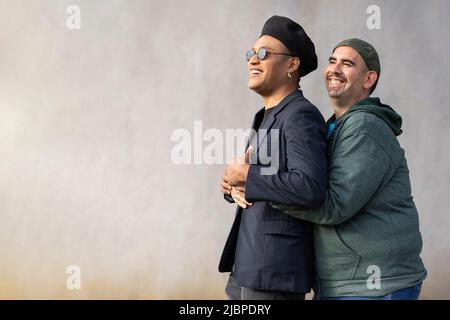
86	118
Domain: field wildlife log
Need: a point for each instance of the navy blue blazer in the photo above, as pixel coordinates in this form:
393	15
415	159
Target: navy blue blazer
267	249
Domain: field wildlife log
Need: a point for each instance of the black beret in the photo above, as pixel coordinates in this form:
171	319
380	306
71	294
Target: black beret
292	35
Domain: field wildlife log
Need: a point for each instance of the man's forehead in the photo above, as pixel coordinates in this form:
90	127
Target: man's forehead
346	52
269	42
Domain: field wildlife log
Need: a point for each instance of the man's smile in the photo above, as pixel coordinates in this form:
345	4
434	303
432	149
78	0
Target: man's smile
255	71
335	82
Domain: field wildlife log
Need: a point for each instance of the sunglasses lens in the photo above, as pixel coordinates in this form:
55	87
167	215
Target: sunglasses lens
250	54
262	53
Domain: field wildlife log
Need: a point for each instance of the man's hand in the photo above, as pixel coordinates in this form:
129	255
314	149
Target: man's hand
238	194
225	188
236	171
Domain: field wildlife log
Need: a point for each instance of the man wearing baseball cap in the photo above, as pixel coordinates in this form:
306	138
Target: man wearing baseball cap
269	254
366	233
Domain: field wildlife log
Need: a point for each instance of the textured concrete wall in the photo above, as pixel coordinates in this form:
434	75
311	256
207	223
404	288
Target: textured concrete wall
86	118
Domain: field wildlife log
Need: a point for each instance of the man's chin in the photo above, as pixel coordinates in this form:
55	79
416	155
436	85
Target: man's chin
254	86
334	94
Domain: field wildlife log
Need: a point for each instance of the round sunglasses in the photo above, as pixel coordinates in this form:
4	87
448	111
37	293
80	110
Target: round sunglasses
263	53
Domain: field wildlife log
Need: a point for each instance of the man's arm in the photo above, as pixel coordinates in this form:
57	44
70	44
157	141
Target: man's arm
304	183
357	168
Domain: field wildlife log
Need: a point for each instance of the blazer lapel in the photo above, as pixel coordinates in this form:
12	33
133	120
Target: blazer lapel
268	123
258	118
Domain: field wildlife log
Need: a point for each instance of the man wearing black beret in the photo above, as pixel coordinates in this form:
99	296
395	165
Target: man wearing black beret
269	254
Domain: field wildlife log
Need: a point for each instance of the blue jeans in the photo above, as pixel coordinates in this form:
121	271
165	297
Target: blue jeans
411	293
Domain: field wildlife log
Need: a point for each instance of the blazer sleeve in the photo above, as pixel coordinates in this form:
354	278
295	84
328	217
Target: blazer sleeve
304	181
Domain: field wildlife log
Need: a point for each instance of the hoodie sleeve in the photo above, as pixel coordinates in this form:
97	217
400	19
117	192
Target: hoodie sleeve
357	169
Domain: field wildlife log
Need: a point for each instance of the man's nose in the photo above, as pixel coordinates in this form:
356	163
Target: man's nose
254	59
335	69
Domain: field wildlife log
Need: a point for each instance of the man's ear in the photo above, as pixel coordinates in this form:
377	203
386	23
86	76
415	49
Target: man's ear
294	64
370	79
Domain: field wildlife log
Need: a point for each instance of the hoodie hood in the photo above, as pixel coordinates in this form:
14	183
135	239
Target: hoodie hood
382	111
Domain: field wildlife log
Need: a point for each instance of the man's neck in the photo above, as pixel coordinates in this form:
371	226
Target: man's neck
340	107
273	99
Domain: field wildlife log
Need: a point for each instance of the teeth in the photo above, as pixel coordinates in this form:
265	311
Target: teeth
335	81
255	72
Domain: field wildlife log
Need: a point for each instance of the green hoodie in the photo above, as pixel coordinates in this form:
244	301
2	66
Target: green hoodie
368	226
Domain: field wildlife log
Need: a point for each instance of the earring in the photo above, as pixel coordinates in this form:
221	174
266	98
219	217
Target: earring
289	75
